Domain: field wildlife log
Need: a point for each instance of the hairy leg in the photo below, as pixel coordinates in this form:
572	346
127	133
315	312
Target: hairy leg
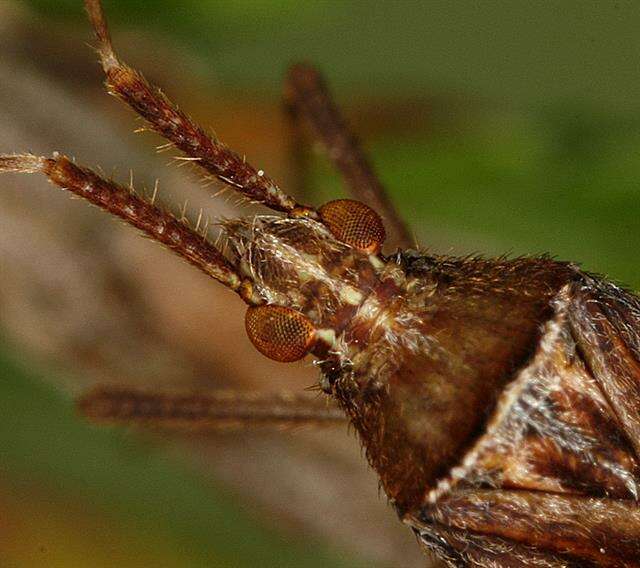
531	528
307	98
212	411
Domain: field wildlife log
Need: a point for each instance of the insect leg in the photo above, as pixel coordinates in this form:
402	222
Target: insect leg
152	220
537	528
307	97
605	320
298	149
219	410
166	119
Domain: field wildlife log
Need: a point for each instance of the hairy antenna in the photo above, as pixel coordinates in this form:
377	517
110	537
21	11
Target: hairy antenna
166	119
157	223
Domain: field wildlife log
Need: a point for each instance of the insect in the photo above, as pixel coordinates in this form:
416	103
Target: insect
496	399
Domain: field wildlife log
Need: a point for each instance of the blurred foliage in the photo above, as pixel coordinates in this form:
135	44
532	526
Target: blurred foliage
538	152
155	513
526	185
517	51
520	183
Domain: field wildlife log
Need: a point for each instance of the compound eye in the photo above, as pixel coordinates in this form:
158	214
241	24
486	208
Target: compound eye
280	333
354	223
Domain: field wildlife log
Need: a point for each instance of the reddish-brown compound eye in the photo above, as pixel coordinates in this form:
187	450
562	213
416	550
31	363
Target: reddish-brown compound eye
354	223
280	333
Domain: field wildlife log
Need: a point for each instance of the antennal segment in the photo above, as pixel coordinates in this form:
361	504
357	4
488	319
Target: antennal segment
166	119
157	223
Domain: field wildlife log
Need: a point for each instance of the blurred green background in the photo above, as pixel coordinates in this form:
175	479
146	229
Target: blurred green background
498	127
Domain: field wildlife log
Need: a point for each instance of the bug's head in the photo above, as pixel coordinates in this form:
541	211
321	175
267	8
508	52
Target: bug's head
313	273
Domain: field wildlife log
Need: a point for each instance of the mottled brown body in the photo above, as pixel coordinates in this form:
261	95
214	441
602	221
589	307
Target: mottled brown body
476	322
552	477
498	400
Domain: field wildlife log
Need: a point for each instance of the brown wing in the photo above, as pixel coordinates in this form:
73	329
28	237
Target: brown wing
605	321
509	529
554	481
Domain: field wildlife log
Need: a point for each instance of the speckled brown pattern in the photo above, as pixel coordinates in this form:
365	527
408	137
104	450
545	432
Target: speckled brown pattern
498	400
554	479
